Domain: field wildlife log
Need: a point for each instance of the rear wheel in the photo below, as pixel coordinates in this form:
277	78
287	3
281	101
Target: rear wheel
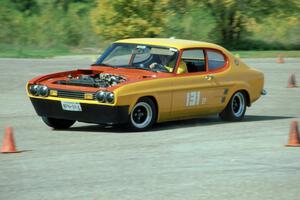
58	123
236	108
143	114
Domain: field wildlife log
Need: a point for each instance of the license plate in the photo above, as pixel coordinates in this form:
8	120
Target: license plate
71	106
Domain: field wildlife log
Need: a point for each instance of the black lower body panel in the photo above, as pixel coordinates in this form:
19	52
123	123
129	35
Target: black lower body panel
91	113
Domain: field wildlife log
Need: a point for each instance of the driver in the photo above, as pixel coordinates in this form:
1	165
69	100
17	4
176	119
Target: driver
165	60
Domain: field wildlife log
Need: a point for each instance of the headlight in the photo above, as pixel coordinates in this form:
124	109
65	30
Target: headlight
100	96
110	97
43	90
33	89
103	96
39	90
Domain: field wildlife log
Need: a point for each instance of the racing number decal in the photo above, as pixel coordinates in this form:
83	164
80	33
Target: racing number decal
192	98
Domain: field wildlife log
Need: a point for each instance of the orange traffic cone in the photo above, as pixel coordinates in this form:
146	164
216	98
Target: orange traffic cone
8	145
292	81
294	140
280	59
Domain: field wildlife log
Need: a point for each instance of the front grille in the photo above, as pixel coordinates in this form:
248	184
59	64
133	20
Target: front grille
72	94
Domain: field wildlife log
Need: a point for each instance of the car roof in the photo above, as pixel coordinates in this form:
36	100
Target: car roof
168	42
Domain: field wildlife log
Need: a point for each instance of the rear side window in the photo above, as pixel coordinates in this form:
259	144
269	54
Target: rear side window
216	60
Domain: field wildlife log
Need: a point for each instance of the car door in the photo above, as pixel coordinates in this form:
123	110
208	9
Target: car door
193	92
217	73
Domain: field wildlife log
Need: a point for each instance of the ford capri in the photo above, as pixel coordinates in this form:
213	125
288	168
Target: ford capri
140	82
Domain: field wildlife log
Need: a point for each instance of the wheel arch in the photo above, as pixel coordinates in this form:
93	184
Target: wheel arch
153	99
247	95
150	101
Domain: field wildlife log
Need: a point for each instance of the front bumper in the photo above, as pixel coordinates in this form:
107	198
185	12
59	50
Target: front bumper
91	113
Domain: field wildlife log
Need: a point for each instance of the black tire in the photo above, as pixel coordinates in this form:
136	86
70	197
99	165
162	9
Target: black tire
143	115
58	123
236	108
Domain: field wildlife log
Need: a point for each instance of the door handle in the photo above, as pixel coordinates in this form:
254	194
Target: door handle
209	77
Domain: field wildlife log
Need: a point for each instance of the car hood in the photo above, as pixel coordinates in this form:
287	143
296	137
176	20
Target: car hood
95	78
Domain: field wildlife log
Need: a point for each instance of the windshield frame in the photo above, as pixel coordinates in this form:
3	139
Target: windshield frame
107	52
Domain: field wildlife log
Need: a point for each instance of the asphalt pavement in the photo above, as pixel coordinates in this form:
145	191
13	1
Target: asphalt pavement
194	159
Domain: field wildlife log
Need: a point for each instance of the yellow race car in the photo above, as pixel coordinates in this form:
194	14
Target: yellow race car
147	80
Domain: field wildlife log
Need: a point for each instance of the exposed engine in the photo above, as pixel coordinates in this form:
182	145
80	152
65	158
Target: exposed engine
103	80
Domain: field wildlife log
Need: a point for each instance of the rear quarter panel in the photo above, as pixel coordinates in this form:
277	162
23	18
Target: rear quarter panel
243	77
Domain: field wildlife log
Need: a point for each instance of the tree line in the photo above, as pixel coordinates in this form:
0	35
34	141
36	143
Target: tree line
236	24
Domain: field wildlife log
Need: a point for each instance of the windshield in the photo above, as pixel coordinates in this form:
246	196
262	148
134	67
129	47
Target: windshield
139	57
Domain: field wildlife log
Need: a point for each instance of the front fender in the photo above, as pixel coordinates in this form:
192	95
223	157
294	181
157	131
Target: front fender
159	89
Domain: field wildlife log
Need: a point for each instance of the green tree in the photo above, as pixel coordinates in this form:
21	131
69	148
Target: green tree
61	23
192	22
232	16
76	23
27	7
279	32
10	22
124	19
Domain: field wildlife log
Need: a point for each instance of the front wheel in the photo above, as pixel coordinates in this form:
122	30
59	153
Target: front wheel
235	109
58	123
143	114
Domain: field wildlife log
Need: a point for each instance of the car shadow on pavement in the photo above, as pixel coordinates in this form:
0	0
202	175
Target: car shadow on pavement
250	118
205	121
212	120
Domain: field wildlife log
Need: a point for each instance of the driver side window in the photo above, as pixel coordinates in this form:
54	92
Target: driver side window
194	60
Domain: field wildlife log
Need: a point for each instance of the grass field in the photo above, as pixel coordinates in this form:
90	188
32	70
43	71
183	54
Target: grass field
10	52
267	54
